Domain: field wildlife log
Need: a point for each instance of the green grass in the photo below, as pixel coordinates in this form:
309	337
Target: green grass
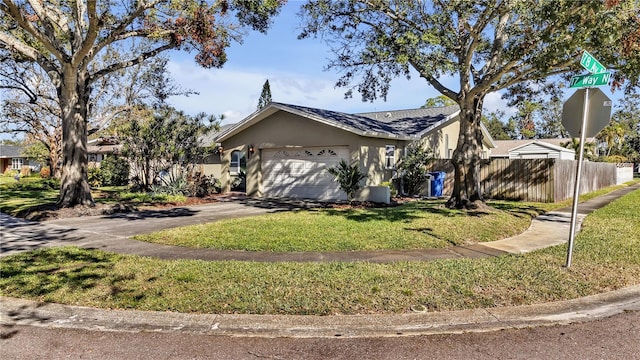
415	225
31	193
606	257
17	197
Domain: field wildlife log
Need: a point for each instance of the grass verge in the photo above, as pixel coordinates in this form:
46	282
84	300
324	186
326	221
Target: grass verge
606	257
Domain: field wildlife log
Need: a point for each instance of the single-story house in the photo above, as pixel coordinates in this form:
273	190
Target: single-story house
212	163
284	150
11	158
98	149
534	149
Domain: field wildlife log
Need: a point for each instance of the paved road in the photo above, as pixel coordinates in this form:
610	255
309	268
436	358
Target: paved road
616	337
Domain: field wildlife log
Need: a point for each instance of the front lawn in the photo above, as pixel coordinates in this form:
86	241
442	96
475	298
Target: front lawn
18	197
34	194
414	225
606	257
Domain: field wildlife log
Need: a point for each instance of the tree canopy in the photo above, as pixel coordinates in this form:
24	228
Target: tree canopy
486	45
66	37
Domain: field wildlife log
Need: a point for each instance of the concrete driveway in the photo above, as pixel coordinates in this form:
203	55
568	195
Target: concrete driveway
19	235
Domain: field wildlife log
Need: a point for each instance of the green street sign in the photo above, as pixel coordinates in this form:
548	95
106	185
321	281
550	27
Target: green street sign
590	80
591	64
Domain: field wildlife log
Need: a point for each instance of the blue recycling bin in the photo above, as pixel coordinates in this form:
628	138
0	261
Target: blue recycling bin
437	183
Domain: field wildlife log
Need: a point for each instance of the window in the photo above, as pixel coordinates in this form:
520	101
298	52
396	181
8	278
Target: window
16	163
390	156
238	162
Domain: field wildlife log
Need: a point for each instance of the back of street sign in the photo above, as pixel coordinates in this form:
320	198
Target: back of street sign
599	112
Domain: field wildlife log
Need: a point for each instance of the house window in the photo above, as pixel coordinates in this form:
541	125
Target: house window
238	162
390	156
16	163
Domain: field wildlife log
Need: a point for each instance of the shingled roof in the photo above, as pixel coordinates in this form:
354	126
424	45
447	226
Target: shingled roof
11	151
400	124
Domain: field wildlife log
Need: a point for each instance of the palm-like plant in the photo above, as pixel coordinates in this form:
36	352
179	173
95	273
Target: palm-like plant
348	176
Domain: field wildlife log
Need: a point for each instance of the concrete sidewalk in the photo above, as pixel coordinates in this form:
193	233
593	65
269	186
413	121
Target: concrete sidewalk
110	233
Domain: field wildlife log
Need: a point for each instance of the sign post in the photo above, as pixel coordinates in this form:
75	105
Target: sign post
576	190
595	116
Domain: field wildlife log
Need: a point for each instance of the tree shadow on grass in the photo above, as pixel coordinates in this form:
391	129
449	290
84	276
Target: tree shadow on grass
519	210
405	212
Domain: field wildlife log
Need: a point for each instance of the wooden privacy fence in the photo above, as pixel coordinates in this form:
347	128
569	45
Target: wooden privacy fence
539	180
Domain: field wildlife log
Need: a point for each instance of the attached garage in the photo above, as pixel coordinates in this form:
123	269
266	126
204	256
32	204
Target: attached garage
300	172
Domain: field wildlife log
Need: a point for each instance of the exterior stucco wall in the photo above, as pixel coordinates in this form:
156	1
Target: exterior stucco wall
281	130
444	139
212	165
373	159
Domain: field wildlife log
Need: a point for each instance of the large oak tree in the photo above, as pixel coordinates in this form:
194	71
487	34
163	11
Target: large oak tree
486	45
65	37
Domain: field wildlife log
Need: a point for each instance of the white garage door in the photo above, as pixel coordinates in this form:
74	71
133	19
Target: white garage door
300	173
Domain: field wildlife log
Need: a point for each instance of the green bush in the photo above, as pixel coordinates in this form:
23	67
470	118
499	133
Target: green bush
348	176
201	185
413	168
391	186
45	172
114	171
171	186
94	176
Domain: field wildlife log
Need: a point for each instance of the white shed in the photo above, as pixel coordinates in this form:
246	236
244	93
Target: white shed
541	150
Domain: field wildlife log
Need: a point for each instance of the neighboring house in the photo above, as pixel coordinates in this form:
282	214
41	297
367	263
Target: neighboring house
285	149
534	149
212	163
101	148
11	158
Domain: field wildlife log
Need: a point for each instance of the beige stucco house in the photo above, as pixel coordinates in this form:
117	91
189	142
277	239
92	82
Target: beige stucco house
284	149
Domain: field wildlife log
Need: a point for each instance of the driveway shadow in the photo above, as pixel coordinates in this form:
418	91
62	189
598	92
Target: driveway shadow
153	214
19	235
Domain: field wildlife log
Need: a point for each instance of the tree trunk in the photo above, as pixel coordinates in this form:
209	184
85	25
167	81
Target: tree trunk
73	92
466	157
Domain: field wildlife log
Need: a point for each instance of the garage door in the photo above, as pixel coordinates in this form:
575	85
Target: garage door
300	173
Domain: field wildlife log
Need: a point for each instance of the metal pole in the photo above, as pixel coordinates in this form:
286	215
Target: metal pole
576	192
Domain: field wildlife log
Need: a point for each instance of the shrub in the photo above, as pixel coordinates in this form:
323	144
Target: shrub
25	171
114	171
392	188
413	168
201	185
239	182
348	176
171	186
10	172
45	172
94	176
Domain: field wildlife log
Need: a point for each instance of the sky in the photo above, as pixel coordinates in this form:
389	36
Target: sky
296	73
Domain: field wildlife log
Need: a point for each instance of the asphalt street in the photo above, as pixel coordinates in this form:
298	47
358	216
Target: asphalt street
616	337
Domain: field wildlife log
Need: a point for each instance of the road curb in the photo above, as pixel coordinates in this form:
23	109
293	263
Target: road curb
17	312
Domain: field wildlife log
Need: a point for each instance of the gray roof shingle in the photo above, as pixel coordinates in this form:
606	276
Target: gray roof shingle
399	123
11	151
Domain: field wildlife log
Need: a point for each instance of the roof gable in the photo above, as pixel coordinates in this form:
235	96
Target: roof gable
544	145
402	124
503	147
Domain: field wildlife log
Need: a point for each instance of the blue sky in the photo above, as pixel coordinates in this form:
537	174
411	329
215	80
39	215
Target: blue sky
295	69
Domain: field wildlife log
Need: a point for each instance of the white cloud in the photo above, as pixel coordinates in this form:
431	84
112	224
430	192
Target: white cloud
234	92
493	102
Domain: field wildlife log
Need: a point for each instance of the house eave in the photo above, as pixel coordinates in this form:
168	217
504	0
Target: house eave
275	107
